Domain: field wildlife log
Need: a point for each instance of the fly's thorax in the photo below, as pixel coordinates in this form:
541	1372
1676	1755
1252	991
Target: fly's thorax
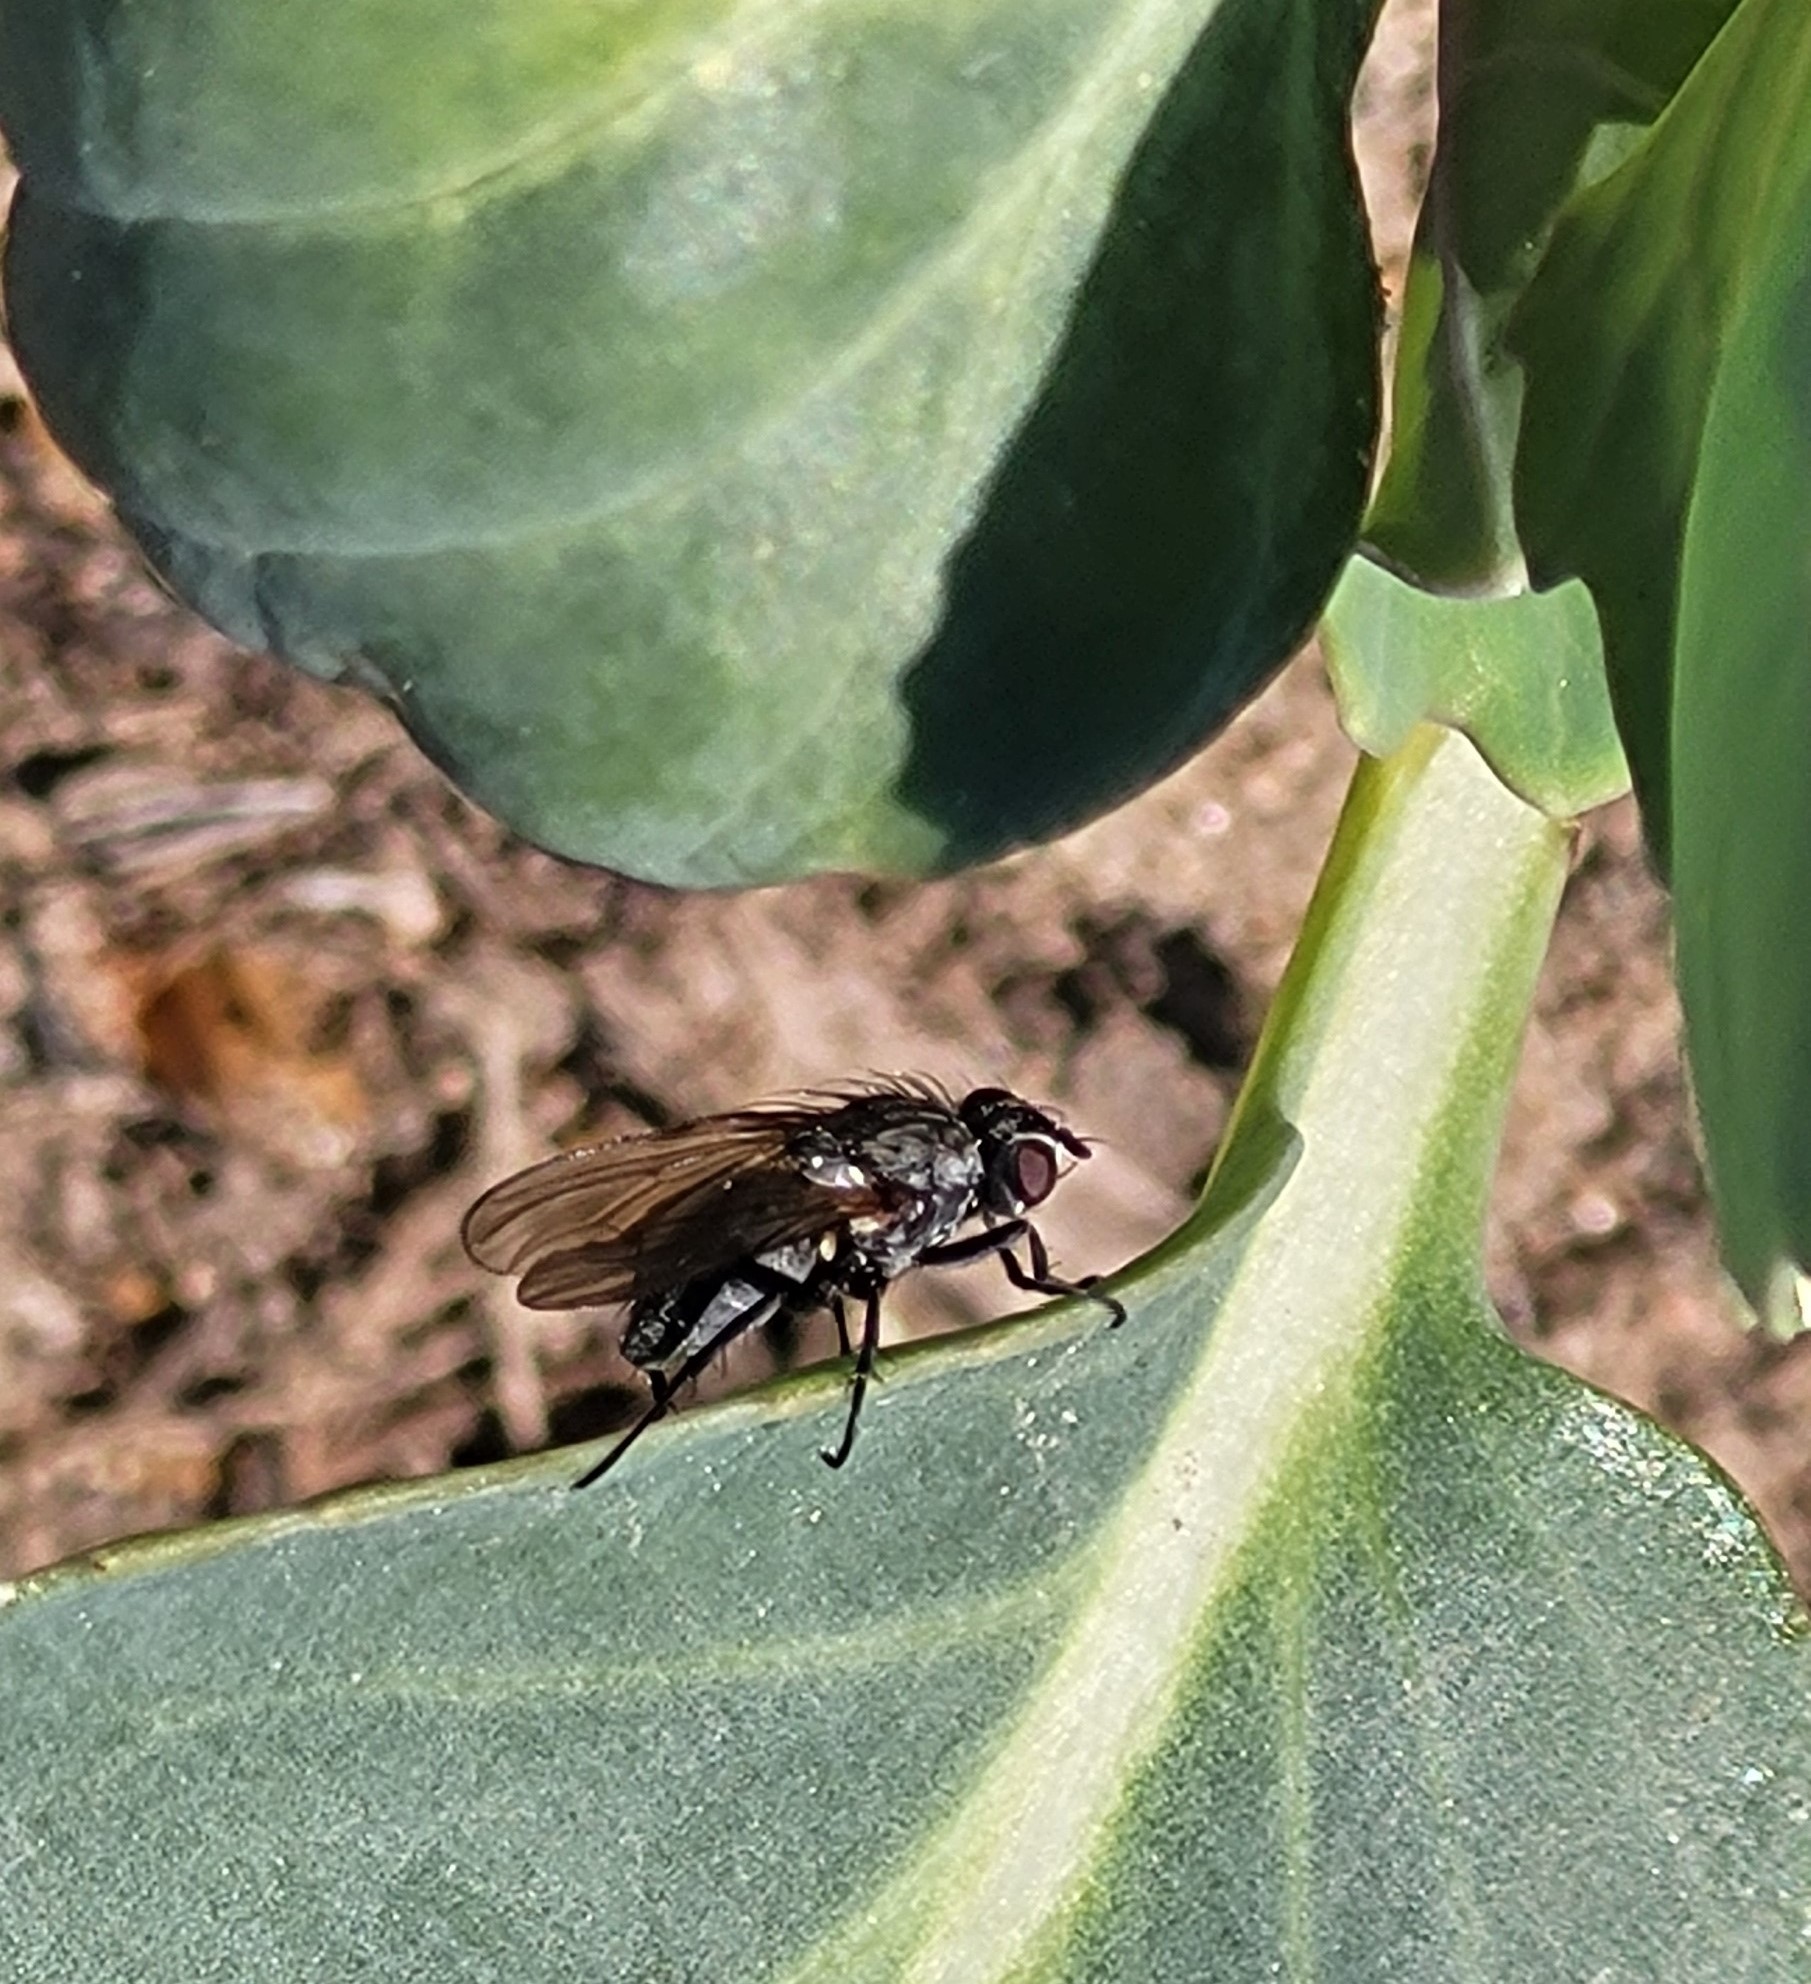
929	1171
826	1162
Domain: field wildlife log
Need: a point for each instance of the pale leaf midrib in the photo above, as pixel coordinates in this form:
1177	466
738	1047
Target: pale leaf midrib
1306	1304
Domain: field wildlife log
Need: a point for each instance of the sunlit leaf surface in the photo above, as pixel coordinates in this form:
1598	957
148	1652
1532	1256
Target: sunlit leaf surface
1300	1628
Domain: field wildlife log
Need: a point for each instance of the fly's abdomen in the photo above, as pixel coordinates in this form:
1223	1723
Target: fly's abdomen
664	1330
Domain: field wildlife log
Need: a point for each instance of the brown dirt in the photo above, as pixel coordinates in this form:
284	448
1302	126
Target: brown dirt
274	1003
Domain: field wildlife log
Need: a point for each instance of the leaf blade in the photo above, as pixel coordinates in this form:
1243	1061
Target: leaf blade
1620	335
877	484
1358	1629
1741	817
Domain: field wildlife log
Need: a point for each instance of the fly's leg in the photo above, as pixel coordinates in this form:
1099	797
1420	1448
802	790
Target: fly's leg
664	1388
1040	1281
864	1369
977	1247
835	1306
1037	1280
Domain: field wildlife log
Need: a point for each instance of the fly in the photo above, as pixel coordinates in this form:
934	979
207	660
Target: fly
703	1232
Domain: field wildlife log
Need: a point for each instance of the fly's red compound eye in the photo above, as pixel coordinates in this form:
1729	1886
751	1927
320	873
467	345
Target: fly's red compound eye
1034	1173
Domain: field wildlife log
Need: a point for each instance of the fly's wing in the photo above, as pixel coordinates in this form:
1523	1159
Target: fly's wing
614	1221
714	1229
603	1190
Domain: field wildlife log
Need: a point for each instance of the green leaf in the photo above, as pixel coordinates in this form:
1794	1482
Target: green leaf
1521	676
1741	795
1664	460
1623	334
1537	97
1300	1627
739	439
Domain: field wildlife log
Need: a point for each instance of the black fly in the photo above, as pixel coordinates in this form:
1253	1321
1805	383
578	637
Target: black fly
723	1225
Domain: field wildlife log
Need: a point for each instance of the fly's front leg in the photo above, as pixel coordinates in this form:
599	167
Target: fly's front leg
1037	1280
1040	1281
977	1247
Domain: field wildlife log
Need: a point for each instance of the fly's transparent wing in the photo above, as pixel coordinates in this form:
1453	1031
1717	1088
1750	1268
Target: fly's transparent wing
601	1191
613	1221
724	1226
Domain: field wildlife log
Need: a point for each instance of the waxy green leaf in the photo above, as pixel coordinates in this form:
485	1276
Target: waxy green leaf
1741	795
1538	98
1300	1628
1622	336
739	439
1665	460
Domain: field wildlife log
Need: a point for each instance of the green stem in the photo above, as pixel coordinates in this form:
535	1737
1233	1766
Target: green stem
1392	1041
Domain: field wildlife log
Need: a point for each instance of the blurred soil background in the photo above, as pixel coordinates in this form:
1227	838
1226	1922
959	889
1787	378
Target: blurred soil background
275	1004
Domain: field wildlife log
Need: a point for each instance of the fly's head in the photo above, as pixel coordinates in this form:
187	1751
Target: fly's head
1024	1151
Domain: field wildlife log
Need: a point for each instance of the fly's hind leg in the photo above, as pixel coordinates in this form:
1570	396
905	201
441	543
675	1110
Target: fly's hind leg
834	1303
864	1369
663	1389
